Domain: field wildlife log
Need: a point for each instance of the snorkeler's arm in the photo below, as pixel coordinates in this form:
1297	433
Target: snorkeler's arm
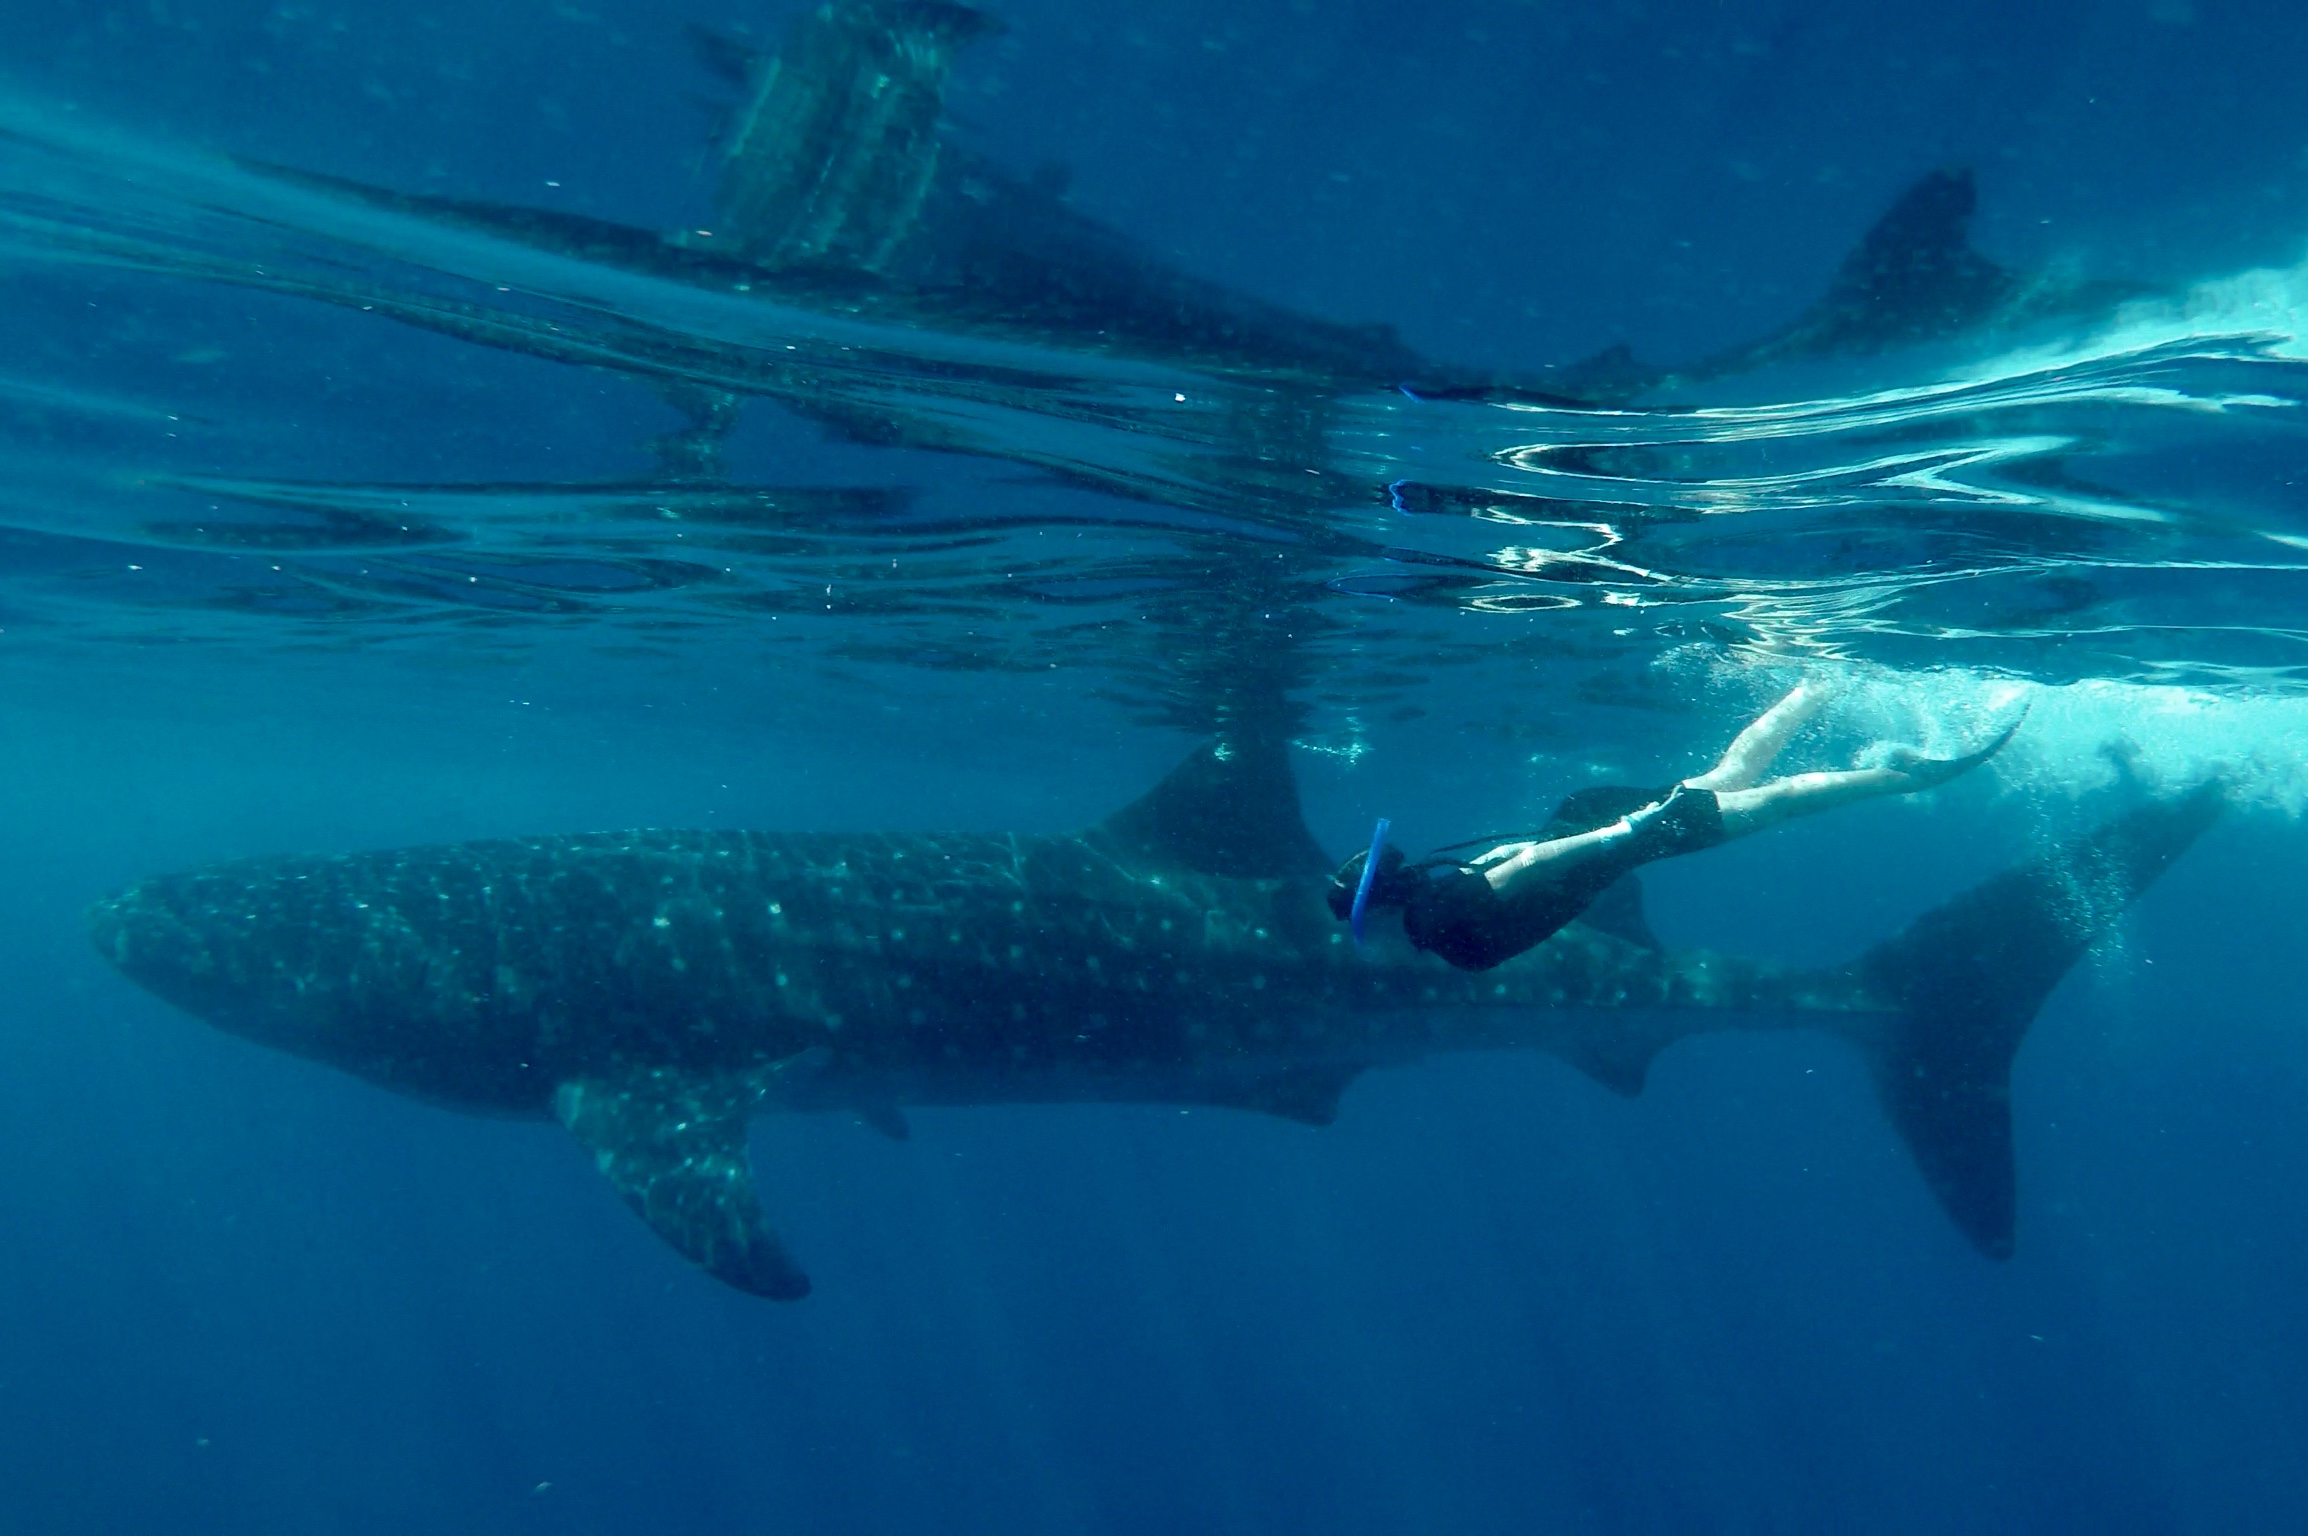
1548	860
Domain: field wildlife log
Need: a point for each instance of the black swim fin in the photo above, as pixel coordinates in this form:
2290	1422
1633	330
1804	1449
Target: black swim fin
1966	980
1931	772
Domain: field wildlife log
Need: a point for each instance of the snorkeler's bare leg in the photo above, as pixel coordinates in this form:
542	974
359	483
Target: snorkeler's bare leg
1806	794
1748	807
1747	759
1803	794
1751	754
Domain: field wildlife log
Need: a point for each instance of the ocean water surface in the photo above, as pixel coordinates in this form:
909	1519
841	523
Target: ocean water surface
388	455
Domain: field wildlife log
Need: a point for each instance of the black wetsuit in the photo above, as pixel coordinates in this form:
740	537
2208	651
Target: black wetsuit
1451	910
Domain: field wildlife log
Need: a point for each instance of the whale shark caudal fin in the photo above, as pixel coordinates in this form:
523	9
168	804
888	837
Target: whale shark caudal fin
673	1145
829	160
1231	808
1966	981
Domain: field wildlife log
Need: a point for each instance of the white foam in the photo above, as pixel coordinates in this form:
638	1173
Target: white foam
2263	310
2079	739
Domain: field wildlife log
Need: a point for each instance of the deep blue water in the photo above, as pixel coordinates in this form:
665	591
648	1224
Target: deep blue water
279	573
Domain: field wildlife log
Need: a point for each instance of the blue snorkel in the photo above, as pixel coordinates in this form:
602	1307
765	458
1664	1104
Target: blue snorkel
1369	874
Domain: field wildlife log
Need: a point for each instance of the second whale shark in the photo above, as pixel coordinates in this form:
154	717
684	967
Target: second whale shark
839	188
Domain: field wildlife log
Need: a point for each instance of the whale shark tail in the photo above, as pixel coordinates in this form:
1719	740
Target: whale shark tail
1967	979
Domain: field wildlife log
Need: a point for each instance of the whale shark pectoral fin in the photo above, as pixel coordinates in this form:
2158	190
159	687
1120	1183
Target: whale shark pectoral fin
1308	1095
673	1146
1966	980
1620	1059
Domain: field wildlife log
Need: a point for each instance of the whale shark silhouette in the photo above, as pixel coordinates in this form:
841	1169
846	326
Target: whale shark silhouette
839	189
652	990
1913	279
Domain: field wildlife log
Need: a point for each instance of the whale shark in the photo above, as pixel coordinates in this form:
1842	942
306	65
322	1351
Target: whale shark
838	188
653	990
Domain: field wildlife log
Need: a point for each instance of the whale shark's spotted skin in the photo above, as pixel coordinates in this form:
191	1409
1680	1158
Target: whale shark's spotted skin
484	973
652	989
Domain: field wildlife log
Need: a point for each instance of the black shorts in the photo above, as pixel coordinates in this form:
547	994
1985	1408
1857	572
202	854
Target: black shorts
1455	913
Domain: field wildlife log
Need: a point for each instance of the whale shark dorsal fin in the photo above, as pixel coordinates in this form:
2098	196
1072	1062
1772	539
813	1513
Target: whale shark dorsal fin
1611	375
1915	276
1231	808
672	1144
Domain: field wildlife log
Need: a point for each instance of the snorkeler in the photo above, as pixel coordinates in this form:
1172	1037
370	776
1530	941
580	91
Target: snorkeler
1478	912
